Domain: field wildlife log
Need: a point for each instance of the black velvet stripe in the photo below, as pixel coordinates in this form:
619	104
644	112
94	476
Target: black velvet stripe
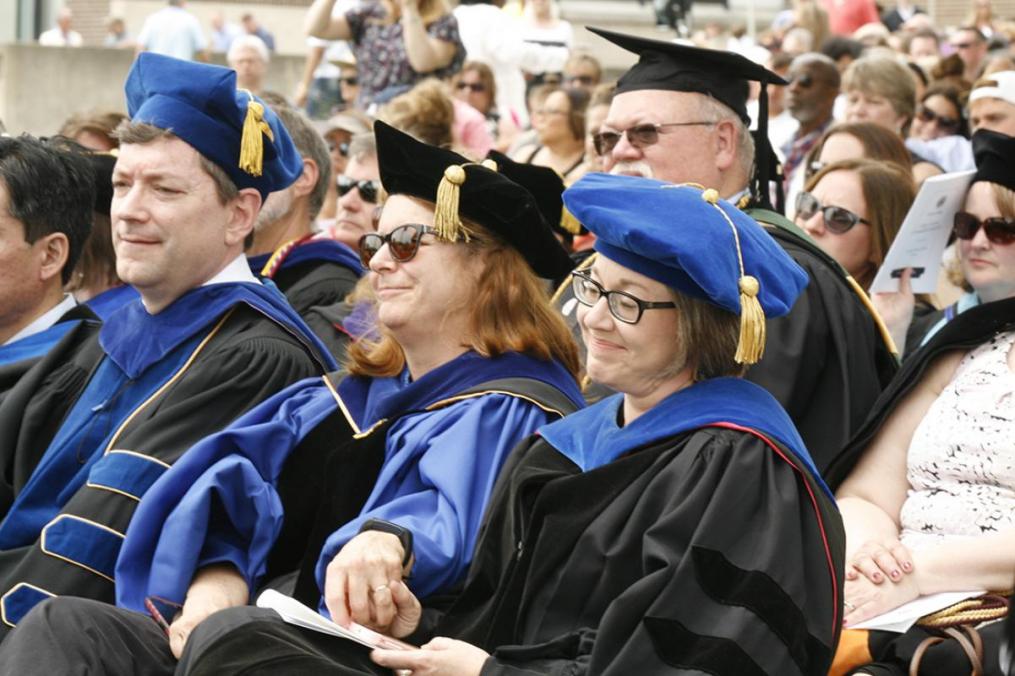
733	586
683	649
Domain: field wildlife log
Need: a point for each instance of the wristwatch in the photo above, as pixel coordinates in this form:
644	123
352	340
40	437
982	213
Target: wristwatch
404	535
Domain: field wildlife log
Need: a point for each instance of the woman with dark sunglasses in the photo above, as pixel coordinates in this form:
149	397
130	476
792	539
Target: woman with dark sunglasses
853	209
940	131
984	262
379	471
927	487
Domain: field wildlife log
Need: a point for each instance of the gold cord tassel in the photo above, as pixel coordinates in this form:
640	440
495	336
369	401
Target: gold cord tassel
751	344
752	323
252	141
568	223
446	220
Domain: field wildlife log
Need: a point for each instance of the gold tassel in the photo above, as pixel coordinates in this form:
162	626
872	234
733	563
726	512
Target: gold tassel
490	164
752	323
446	220
568	223
252	141
751	344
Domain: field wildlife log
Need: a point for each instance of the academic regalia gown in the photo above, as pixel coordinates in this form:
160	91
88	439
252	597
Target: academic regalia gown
81	441
825	361
698	538
310	271
330	453
18	357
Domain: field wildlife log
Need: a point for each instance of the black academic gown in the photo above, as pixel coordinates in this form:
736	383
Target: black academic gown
312	283
677	556
825	362
12	372
247	359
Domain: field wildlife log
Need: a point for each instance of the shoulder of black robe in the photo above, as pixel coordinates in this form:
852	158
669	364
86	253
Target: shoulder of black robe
249	358
712	551
11	373
826	361
966	331
327	322
34	407
315	282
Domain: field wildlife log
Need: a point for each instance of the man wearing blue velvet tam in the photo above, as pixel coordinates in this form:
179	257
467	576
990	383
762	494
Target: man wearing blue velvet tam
204	343
678	526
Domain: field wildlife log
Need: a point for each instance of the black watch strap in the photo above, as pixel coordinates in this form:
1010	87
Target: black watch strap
404	535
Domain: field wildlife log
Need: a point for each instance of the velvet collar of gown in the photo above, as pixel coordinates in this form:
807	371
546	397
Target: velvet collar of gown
371	399
327	250
592	438
135	339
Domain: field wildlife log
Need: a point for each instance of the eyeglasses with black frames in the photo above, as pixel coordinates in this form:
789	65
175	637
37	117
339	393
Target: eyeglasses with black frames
998	230
622	305
367	189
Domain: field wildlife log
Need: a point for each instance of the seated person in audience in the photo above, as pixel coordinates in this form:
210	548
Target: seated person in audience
677	525
309	270
397	457
559	123
992	103
984	263
940	131
854	141
94	281
926	489
94	129
881	90
83	438
853	209
46	197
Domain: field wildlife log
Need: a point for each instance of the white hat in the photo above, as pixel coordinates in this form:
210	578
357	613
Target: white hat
1000	85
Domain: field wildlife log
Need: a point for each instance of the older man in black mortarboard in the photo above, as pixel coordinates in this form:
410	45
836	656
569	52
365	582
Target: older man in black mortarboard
680	115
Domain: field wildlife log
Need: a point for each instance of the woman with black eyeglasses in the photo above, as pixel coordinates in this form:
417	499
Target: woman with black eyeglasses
379	471
853	210
677	526
927	487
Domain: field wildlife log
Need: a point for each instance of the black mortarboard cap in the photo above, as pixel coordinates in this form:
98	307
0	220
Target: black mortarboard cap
720	74
546	186
994	153
458	187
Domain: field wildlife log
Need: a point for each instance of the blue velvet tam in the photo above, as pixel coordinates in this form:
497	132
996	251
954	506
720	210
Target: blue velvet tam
200	104
692	241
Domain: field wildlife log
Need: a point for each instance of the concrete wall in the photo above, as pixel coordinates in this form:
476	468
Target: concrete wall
40	87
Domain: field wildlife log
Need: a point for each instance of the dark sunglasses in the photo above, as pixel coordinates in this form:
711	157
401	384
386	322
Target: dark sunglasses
639	136
476	87
622	305
927	115
837	219
403	242
350	81
367	189
998	230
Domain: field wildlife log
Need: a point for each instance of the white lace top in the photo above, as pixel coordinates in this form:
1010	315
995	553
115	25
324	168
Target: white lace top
961	463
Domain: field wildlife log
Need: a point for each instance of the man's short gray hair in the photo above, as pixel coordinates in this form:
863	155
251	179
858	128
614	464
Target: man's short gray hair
248	42
310	146
710	108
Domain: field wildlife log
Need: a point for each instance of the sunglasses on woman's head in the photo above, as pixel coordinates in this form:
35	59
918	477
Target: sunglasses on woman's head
403	242
929	116
837	219
367	189
998	230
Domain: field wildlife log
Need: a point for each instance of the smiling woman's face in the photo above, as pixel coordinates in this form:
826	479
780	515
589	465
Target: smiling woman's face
637	358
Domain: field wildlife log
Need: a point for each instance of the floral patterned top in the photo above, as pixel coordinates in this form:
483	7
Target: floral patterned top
961	463
380	52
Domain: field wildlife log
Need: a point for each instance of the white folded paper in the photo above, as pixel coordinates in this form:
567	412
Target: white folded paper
905	616
295	613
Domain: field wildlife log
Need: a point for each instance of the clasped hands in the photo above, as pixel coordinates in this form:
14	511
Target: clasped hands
363	584
880	576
